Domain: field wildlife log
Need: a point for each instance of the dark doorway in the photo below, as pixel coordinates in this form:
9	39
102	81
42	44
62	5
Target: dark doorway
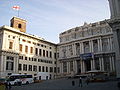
87	65
39	77
78	67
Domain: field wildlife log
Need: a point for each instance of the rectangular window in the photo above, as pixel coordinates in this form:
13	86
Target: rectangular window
46	69
51	69
46	53
55	70
35	59
20	47
64	66
25	58
21	57
30	68
9	65
39	68
26	49
55	55
58	70
31	49
43	69
36	51
24	67
10	58
50	54
10	45
35	68
43	53
20	67
40	52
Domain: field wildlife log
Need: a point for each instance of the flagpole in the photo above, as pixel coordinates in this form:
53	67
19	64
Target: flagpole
17	8
18	13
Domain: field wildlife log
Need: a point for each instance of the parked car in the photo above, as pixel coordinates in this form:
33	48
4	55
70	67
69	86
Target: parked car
2	80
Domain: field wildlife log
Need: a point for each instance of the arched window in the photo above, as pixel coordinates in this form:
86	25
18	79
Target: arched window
19	26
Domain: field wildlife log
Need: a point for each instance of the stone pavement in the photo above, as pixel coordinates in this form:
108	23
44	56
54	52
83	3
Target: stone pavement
66	84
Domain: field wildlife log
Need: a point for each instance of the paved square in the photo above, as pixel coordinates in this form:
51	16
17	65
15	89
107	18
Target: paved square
66	84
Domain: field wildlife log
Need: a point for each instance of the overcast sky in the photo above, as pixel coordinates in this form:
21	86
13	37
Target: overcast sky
48	18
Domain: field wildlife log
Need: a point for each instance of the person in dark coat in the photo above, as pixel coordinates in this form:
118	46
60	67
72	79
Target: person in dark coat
73	83
8	85
87	80
80	82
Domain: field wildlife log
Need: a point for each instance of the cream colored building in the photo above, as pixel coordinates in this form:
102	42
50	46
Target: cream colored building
85	48
22	53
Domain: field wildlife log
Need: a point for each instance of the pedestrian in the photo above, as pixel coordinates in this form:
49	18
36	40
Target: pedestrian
73	83
8	85
87	80
80	82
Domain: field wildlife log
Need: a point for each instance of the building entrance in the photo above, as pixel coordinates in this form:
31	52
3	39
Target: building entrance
87	65
78	67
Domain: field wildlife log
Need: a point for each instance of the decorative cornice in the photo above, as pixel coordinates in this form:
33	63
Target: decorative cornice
114	23
4	51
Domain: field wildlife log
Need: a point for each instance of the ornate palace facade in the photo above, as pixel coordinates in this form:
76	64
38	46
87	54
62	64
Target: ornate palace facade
85	48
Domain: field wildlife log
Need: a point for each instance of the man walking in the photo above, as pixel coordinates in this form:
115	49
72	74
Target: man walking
80	82
87	80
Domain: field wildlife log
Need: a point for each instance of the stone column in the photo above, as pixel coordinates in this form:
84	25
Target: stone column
68	67
4	63
100	64
98	40
16	64
91	64
75	63
81	63
111	66
2	66
108	44
113	63
74	49
73	67
101	45
82	47
91	46
61	69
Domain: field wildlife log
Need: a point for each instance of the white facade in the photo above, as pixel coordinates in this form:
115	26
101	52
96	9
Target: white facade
95	39
22	53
